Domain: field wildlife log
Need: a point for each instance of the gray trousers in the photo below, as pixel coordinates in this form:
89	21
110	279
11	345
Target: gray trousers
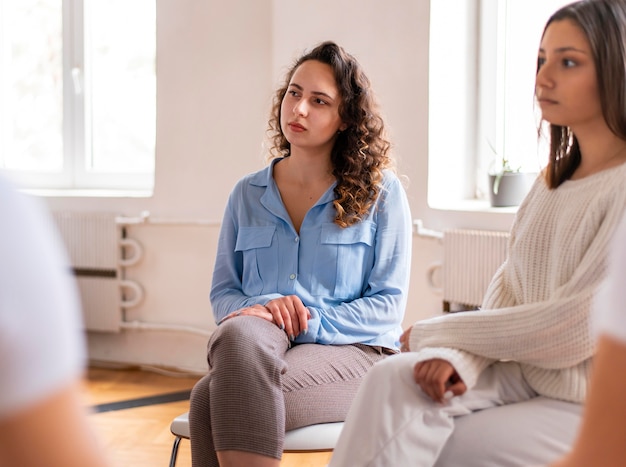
257	387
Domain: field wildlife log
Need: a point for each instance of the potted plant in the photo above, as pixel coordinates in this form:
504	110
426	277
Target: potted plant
507	185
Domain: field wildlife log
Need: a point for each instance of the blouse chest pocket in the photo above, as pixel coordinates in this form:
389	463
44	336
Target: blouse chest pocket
255	246
344	260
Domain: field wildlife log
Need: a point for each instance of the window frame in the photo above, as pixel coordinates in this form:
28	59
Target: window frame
470	114
75	174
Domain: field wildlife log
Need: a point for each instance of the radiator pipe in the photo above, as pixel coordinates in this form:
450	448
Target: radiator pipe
143	326
144	218
428	233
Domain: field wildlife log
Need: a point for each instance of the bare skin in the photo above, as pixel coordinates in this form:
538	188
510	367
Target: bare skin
602	439
301	185
567	92
54	432
437	378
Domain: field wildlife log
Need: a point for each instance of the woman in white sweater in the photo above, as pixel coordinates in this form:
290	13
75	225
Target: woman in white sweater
504	386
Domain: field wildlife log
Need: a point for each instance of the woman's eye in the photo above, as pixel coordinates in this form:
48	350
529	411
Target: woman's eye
540	62
567	63
320	101
293	93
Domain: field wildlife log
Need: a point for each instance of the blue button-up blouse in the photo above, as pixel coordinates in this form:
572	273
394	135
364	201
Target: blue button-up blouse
353	280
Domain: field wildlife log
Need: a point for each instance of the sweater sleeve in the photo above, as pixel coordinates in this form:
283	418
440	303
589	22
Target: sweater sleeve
553	334
556	229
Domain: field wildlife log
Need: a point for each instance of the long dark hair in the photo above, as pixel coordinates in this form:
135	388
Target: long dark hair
361	151
604	24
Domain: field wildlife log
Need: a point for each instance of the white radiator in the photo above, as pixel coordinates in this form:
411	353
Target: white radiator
98	251
470	259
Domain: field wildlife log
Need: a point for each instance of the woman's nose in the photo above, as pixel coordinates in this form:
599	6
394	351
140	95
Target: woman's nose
544	78
300	108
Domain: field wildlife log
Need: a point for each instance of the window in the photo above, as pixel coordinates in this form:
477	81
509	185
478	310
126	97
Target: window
481	91
78	93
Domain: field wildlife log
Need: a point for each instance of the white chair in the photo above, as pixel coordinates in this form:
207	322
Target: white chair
320	437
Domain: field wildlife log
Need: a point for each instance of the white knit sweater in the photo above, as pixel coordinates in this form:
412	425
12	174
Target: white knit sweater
536	309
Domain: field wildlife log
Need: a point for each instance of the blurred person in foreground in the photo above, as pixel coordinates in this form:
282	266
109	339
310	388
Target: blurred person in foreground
602	437
43	421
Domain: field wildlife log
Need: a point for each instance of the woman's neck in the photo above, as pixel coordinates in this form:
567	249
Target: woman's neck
600	150
307	170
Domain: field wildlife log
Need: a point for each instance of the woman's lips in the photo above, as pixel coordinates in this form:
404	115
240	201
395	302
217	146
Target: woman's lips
546	101
296	127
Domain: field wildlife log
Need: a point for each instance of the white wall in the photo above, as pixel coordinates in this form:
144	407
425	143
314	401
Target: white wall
218	64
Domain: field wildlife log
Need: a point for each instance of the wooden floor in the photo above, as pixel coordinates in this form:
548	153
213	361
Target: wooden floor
140	436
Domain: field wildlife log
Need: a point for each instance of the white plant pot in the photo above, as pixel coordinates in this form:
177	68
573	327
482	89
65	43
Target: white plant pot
511	189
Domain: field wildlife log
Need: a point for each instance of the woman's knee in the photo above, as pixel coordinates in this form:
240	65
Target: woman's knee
245	342
389	367
239	333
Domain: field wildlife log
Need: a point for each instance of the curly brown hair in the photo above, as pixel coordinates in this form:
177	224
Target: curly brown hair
604	24
361	151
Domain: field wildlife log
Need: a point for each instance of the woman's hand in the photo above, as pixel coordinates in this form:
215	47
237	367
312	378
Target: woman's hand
254	310
438	379
404	340
290	314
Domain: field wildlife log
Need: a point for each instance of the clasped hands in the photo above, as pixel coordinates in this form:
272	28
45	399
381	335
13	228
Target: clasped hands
437	377
288	313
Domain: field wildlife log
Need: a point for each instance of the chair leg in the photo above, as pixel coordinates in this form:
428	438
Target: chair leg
174	452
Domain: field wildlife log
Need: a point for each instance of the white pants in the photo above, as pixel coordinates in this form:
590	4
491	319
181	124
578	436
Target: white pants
392	423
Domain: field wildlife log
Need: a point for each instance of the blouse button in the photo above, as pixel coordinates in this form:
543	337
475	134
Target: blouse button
292	276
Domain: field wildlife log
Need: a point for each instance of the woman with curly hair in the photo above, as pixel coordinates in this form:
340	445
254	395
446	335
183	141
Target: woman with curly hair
311	276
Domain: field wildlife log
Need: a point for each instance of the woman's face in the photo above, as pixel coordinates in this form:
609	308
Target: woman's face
309	114
566	86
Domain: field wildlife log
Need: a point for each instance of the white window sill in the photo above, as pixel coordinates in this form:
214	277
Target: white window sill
88	193
471	205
